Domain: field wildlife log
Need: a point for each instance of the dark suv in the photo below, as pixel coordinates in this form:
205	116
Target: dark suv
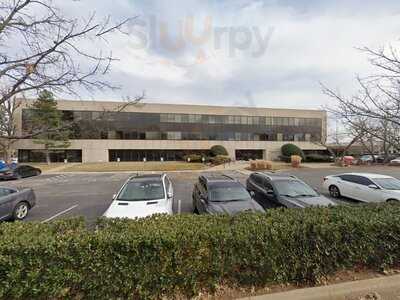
284	190
221	194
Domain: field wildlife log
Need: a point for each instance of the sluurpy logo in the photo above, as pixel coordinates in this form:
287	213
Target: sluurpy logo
176	37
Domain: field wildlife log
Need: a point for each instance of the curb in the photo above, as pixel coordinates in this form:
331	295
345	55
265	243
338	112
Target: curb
387	288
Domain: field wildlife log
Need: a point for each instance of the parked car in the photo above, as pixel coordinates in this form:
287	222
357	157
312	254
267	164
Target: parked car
368	158
16	203
285	190
395	161
142	196
221	194
18	172
363	187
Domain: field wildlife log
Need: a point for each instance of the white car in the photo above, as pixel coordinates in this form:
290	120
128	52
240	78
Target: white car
395	161
142	196
363	187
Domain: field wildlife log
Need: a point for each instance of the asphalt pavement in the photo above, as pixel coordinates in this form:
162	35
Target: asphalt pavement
89	195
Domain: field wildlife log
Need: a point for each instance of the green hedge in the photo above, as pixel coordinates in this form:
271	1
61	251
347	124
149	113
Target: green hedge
220	159
218	150
288	150
183	255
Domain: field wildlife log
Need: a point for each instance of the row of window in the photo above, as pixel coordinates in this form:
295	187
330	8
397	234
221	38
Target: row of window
223	136
198	119
153	126
242	120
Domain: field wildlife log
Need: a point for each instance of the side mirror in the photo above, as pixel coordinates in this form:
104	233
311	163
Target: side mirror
373	186
270	192
252	194
170	195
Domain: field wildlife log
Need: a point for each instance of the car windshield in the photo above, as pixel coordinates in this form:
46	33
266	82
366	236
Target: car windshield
142	191
388	183
222	192
294	188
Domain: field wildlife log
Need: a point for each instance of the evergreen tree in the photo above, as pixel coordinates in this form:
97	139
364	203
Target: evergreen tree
47	122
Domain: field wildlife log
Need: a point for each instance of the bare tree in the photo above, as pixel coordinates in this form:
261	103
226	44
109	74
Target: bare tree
336	136
8	130
49	50
374	111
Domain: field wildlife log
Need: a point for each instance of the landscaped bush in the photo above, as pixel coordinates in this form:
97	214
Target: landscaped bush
220	159
166	256
318	158
218	150
290	149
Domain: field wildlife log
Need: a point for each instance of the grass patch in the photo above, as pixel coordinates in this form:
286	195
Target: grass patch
45	167
133	166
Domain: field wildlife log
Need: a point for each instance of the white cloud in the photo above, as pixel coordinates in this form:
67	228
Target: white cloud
312	41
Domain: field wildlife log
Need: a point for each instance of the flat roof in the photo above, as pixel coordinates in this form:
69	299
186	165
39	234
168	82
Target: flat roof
143	106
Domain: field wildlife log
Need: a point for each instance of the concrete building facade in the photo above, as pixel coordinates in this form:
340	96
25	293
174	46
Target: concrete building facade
103	133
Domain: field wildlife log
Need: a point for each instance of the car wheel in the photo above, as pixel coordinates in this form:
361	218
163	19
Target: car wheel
38	172
20	211
394	201
334	191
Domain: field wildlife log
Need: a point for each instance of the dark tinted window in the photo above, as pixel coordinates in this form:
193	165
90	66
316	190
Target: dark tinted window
136	125
5	192
363	180
227	191
348	178
294	188
142	191
356	179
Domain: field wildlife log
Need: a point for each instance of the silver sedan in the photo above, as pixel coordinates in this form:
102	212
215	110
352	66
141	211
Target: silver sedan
15	204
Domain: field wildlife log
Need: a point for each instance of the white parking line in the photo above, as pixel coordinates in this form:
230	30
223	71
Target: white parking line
60	213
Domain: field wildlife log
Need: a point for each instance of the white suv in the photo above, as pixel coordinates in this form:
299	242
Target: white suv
363	187
142	196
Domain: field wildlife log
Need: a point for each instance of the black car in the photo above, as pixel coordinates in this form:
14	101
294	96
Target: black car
221	194
19	172
284	190
15	204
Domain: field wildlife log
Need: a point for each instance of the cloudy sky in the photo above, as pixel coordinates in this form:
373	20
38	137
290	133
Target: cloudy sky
271	53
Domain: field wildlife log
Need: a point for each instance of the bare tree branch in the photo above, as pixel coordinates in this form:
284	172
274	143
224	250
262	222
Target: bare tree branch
50	50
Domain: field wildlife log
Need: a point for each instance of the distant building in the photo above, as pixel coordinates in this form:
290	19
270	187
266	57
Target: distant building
169	131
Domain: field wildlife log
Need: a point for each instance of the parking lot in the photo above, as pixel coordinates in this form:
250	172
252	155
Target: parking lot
89	195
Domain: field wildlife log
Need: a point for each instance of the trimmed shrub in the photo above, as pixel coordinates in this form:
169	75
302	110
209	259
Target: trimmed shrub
220	159
170	256
291	149
218	150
